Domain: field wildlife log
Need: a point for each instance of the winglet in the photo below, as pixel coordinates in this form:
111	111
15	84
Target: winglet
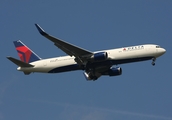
41	31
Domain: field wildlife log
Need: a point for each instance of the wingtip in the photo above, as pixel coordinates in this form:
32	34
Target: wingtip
8	57
41	31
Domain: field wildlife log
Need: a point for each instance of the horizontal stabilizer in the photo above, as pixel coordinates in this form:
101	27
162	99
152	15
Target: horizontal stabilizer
19	63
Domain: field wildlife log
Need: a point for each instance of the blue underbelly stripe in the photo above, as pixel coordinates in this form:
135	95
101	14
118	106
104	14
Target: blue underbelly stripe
65	68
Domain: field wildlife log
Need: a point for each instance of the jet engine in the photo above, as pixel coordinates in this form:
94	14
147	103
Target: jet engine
90	76
114	71
99	56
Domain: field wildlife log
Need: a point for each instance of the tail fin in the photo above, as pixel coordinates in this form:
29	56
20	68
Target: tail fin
26	55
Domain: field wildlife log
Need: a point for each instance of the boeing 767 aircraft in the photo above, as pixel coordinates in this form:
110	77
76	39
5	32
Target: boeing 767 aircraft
94	64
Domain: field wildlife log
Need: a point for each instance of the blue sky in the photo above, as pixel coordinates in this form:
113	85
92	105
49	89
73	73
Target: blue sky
143	92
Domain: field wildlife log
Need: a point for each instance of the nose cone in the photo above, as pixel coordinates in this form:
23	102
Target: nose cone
162	51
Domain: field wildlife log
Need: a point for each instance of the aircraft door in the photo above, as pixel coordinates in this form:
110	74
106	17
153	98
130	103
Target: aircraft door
45	63
152	49
156	50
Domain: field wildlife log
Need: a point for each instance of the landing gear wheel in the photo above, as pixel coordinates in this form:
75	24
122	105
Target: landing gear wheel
153	64
153	61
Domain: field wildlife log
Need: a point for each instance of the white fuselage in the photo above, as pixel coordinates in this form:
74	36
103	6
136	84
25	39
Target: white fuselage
115	56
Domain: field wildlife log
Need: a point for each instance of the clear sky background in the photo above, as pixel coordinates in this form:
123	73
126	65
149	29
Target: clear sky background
142	92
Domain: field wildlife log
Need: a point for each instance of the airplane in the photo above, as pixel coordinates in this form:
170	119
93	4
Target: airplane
94	64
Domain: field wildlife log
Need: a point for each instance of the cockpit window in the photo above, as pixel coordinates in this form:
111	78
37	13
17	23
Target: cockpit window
157	46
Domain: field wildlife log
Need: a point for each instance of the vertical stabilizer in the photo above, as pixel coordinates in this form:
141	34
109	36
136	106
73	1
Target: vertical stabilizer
26	55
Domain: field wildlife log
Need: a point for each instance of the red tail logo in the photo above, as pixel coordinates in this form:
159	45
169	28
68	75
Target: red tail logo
25	54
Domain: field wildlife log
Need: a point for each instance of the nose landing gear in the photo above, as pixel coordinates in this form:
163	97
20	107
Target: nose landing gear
153	61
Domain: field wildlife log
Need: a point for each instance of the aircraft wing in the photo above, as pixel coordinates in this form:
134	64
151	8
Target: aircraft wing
72	50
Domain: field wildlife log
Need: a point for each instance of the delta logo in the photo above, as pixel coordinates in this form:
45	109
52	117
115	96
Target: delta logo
133	48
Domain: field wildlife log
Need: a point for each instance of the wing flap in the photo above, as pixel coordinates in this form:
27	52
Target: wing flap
64	49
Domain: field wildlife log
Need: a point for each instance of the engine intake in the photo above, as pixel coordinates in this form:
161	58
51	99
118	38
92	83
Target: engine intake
114	71
99	56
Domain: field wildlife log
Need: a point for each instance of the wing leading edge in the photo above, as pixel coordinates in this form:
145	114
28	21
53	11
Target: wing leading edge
72	50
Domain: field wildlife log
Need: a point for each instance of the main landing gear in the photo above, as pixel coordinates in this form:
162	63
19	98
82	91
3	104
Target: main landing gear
153	61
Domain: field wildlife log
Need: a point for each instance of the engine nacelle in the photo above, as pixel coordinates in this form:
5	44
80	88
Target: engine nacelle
114	71
87	76
99	56
90	77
